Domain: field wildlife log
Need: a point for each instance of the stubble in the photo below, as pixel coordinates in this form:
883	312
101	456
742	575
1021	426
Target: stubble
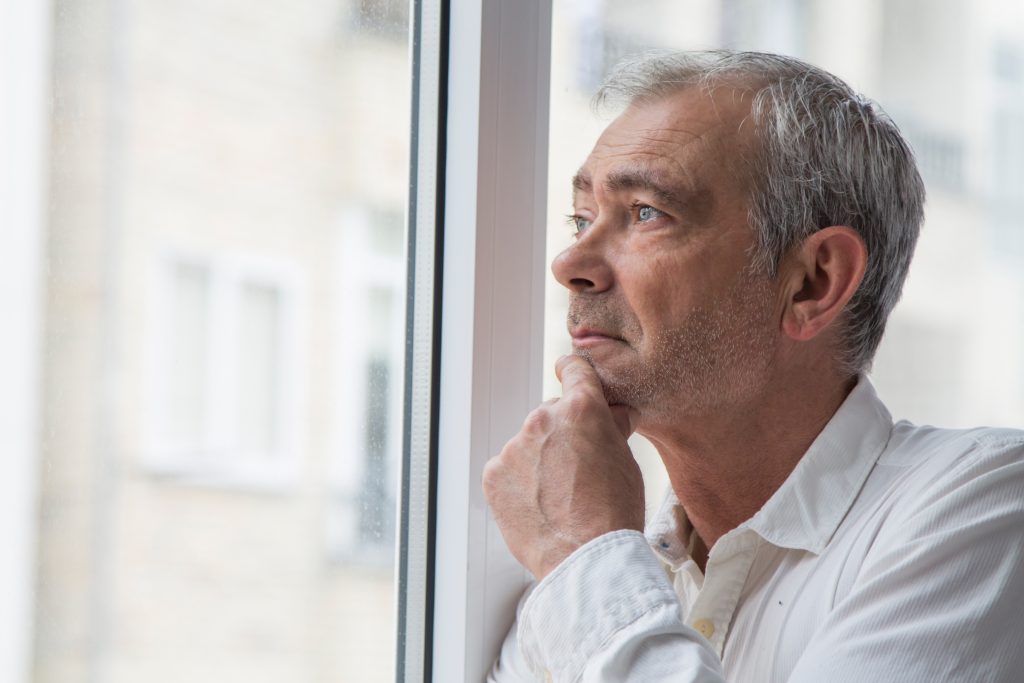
718	356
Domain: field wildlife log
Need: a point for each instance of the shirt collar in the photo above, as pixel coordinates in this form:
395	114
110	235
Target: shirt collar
806	510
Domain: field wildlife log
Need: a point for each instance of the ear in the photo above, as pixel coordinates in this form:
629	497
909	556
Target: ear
824	274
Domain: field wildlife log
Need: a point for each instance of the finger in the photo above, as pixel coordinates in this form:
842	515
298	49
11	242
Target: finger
575	373
623	419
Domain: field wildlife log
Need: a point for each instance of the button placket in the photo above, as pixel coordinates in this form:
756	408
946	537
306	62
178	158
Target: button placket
725	575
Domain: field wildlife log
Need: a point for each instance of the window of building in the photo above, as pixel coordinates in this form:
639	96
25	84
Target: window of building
227	370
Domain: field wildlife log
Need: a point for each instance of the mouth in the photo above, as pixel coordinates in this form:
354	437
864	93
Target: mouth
585	337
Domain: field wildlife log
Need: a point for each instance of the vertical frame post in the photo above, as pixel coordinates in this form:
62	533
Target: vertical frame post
25	36
492	312
424	300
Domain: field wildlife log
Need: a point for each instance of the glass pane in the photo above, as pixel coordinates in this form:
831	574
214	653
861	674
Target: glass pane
187	365
952	76
259	360
224	341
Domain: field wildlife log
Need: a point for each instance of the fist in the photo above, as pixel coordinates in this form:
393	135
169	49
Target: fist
568	476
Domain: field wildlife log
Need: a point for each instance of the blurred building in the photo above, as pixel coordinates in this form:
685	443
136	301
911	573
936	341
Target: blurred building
224	341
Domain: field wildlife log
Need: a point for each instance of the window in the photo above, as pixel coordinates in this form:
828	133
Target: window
194	176
250	334
228	370
368	421
1007	141
389	18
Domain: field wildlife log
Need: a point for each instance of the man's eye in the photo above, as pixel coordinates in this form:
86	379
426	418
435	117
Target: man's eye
579	224
646	213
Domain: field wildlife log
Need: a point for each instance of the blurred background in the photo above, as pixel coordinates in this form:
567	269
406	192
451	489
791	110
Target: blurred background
222	314
209	419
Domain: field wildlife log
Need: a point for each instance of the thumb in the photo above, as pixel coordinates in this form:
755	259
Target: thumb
623	419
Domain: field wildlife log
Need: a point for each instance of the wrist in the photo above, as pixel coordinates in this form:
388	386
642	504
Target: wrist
566	545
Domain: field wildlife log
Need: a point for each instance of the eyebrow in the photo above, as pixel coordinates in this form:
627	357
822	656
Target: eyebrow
633	179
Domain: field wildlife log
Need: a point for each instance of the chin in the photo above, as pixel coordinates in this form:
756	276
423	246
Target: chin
621	386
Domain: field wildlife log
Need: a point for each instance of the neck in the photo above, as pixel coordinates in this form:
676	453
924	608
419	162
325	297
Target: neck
725	463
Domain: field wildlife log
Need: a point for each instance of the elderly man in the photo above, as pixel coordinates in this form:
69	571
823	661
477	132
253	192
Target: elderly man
744	229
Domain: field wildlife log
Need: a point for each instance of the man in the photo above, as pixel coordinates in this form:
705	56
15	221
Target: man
744	229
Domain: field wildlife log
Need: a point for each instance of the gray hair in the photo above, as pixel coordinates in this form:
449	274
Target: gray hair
826	156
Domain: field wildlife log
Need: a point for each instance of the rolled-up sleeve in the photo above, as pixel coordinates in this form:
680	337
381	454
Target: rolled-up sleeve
607	613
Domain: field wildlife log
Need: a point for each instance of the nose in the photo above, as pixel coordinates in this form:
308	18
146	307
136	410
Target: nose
583	268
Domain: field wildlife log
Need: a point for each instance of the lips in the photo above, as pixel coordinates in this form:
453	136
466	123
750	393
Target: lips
593	320
587	336
583	332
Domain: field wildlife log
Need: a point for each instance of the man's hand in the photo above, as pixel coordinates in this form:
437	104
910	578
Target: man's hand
568	476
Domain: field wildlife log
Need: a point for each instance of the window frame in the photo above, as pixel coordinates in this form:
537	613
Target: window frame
478	199
226	465
25	35
477	223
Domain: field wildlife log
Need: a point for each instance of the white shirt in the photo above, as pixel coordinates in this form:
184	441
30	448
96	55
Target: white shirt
890	553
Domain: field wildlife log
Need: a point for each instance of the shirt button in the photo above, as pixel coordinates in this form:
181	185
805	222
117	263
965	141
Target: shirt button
705	627
547	676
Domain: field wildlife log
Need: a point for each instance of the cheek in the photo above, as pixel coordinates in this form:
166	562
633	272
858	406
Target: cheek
666	282
659	294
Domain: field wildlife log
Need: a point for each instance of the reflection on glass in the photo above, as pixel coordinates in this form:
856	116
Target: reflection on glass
952	76
222	385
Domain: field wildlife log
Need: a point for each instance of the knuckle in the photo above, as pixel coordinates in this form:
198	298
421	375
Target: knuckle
491	475
538	420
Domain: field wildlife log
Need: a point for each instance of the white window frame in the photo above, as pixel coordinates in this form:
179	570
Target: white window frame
494	147
493	309
225	466
25	38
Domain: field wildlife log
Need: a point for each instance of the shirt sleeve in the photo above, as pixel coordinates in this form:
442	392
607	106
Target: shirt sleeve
510	666
608	614
941	595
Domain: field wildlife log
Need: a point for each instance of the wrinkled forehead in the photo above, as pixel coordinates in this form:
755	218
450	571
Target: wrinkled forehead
694	134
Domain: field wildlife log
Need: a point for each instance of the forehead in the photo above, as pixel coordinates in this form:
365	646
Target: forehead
691	136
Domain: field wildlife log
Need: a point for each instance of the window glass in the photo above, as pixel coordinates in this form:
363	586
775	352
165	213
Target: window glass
951	74
186	364
224	335
259	364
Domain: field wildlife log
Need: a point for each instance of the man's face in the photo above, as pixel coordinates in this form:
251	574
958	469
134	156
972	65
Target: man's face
662	302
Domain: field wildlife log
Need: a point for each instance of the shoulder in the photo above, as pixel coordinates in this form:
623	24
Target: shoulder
911	444
933	567
947	477
927	456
